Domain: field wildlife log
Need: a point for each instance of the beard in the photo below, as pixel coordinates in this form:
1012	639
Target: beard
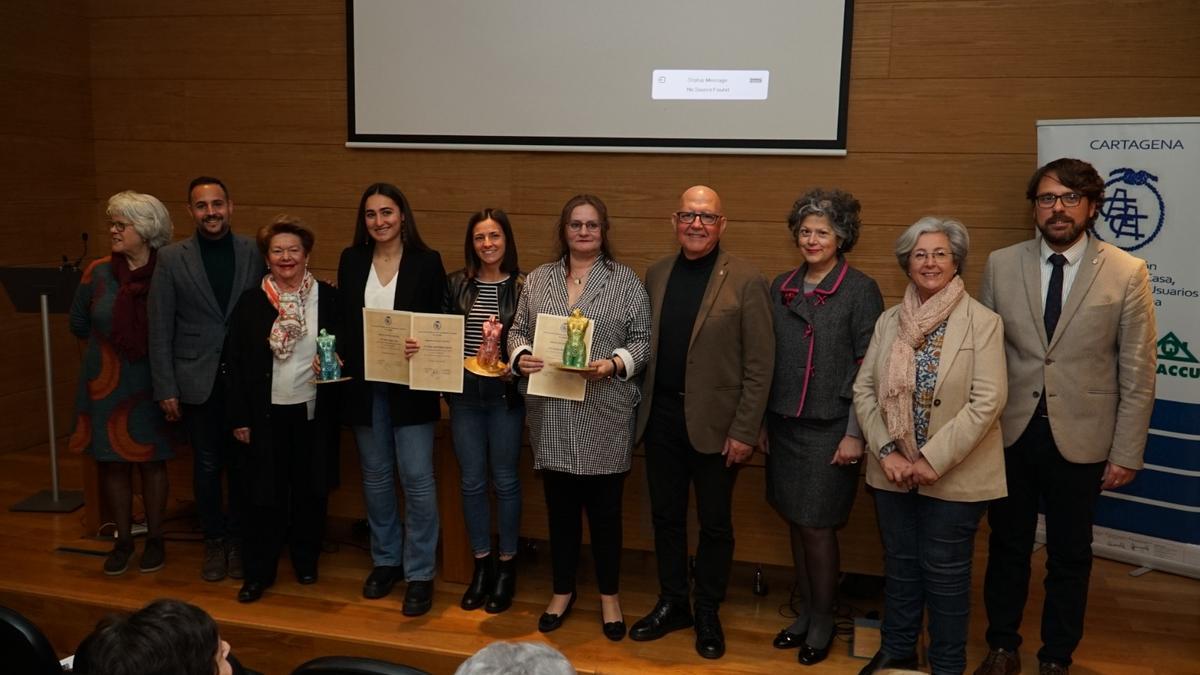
1061	237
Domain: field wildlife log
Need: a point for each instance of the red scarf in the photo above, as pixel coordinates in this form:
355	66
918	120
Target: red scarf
130	328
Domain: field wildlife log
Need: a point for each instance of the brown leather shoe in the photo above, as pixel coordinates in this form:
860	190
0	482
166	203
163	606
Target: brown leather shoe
1000	662
1052	668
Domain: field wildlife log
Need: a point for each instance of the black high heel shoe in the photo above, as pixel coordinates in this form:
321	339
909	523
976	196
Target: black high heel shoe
810	656
788	640
548	622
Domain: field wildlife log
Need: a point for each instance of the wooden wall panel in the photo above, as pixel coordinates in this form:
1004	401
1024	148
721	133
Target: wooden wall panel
216	47
45	196
1072	38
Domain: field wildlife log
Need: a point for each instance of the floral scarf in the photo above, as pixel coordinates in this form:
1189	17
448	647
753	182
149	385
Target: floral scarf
289	326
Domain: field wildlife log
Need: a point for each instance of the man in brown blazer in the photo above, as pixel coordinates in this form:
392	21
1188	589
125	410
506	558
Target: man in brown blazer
703	400
1080	339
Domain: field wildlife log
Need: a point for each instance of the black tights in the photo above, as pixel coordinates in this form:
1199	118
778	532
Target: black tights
816	559
116	479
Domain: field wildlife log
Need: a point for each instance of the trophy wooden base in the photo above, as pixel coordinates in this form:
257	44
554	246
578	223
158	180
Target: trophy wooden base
472	364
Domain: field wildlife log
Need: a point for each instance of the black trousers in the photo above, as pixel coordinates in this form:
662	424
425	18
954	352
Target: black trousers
296	514
215	452
672	467
568	496
1038	473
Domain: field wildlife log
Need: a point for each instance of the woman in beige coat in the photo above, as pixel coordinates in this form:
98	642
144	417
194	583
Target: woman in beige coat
929	396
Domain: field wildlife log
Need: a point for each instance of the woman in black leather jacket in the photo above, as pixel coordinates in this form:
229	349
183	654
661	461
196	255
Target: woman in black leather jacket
488	417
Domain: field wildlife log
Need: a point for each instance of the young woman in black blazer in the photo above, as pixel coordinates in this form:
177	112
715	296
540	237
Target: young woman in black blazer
389	267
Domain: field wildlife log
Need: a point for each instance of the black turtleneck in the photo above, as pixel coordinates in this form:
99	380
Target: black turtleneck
681	303
218	258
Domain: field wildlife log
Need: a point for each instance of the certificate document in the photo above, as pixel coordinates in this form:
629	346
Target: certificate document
438	366
549	338
384	332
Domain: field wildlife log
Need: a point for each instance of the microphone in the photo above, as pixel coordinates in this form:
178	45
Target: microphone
79	260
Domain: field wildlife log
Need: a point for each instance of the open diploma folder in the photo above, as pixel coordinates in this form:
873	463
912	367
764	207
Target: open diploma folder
549	337
438	366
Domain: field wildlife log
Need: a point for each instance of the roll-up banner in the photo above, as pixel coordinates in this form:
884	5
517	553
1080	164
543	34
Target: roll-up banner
1151	170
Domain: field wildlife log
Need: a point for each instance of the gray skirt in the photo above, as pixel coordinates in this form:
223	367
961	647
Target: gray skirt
801	483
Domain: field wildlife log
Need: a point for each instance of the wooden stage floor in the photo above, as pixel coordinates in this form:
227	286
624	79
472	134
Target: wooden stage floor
1137	626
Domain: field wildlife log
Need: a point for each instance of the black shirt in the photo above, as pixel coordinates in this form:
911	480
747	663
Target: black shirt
681	303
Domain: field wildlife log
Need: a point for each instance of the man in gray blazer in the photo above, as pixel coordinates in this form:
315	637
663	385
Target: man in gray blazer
196	284
706	388
1079	336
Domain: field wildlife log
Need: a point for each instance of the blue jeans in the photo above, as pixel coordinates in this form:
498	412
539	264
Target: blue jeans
928	544
384	449
488	432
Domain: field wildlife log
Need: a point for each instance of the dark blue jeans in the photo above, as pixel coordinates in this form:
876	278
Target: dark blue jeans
214	454
928	544
487	435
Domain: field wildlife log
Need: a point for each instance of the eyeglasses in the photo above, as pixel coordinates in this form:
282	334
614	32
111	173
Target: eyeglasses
577	225
1046	200
822	235
939	255
689	217
118	225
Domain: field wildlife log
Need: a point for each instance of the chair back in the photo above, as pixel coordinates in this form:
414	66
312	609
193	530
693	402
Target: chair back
24	647
354	665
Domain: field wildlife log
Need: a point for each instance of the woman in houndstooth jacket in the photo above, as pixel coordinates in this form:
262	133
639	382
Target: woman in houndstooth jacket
583	447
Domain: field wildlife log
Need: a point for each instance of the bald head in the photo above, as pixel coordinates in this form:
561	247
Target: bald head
697	238
700	193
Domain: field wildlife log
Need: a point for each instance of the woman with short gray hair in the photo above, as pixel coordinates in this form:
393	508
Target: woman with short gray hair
117	421
956	234
824	312
929	396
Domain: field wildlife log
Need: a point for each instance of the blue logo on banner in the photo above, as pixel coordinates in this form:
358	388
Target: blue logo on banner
1129	209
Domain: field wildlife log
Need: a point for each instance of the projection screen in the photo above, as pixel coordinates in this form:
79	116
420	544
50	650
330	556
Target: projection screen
734	76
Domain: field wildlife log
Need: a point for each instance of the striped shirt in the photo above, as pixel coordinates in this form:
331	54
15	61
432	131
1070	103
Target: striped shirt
487	303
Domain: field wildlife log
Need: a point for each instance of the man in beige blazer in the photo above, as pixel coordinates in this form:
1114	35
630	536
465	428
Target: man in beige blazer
1080	339
706	388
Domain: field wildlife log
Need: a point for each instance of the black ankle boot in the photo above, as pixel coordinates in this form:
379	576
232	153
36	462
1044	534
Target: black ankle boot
505	587
481	583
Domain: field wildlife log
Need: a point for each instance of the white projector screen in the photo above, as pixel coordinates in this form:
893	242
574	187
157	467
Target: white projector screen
737	76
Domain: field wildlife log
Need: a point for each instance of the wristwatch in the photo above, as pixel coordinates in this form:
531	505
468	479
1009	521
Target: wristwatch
887	449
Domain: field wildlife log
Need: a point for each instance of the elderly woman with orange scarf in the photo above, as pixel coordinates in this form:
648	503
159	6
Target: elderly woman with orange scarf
288	424
928	397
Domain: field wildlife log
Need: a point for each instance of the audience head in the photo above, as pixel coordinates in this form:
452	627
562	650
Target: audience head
210	206
166	637
1066	195
839	210
699	221
384	214
481	242
143	214
517	658
583	227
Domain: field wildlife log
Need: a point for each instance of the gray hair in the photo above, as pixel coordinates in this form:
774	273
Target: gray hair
840	208
955	231
150	218
517	658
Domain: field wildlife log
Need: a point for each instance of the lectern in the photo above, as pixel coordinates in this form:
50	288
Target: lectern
45	290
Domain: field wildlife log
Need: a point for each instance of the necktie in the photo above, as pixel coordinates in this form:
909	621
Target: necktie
1054	295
